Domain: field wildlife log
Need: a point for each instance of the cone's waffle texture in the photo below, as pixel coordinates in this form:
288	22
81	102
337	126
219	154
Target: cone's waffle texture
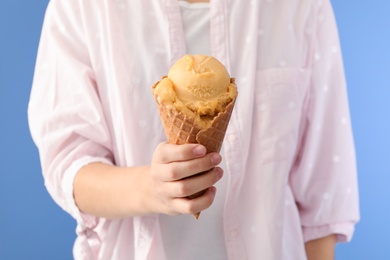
182	129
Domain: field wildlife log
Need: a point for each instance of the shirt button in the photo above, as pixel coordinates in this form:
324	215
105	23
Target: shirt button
232	138
142	243
219	18
262	107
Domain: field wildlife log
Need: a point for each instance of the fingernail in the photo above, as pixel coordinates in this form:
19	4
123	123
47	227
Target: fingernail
199	150
219	173
216	158
213	190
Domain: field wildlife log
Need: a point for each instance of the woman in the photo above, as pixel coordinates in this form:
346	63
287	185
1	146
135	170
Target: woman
286	176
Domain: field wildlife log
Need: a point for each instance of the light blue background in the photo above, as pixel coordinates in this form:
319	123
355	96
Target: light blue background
32	226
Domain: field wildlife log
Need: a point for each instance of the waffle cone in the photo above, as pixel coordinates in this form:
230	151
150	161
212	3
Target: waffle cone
182	129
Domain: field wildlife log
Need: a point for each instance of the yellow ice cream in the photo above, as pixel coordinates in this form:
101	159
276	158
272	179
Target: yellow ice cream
198	86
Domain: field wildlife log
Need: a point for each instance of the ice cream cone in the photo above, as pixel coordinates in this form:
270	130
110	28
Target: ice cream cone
182	129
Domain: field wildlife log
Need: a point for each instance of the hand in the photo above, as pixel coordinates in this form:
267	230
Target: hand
179	171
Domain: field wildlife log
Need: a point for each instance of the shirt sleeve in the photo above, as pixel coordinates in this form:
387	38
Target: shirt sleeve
66	118
324	178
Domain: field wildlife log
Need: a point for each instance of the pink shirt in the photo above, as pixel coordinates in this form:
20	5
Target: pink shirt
289	153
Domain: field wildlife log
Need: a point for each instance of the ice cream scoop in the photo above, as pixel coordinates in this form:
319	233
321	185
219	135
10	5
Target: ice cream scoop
199	78
198	86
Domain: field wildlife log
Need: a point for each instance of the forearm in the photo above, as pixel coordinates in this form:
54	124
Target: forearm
321	249
108	191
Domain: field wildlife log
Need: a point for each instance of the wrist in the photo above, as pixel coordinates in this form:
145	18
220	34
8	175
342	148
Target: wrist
141	200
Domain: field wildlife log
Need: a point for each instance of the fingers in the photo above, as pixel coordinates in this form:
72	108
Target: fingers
167	153
192	206
178	171
175	162
189	186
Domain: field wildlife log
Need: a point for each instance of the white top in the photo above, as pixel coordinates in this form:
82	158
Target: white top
202	238
196	27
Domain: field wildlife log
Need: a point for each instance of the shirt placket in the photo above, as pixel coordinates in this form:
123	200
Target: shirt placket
220	49
176	32
144	228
